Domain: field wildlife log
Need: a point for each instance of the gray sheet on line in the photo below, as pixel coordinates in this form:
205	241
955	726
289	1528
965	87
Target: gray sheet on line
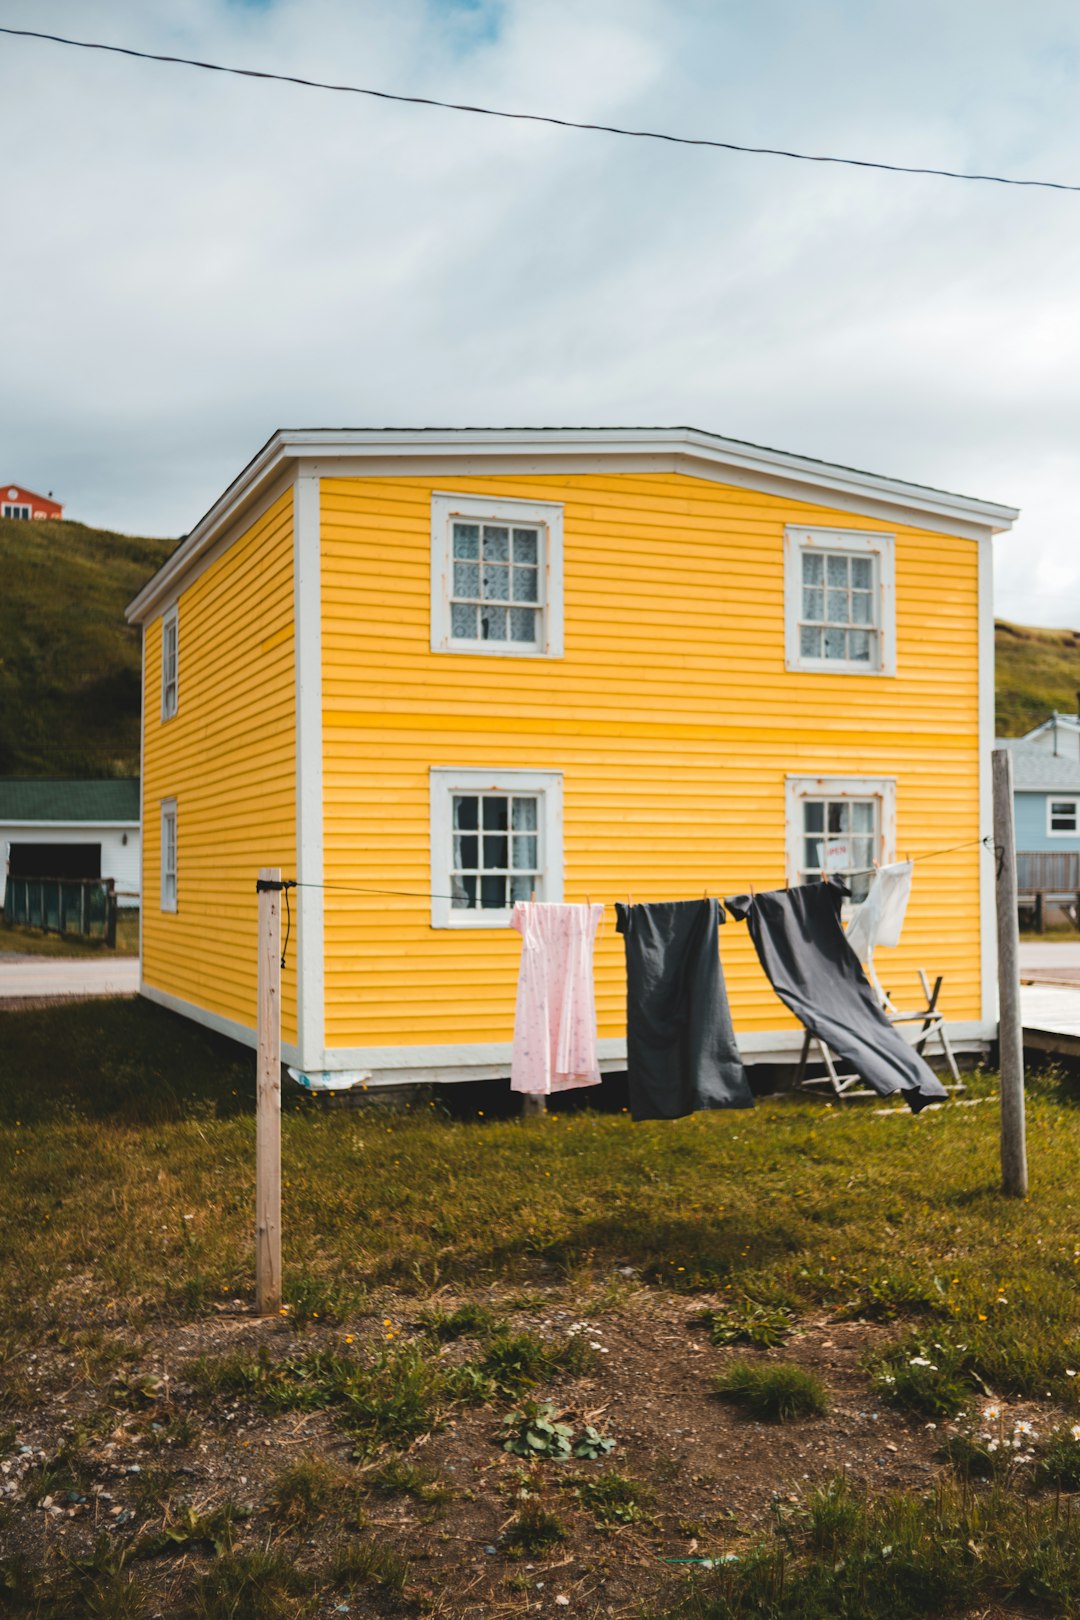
681	1054
801	945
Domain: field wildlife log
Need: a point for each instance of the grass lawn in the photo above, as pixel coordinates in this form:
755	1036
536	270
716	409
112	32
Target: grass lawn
32	942
476	1307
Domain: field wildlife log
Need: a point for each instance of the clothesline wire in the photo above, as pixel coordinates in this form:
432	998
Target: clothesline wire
427	894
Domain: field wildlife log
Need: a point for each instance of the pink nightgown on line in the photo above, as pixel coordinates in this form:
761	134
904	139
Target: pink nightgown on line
555	1023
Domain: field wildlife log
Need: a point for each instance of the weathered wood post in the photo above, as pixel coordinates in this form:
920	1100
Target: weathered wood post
1014	1176
268	1098
533	1106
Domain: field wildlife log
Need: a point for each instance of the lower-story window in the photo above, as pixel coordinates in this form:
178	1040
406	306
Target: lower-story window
496	838
168	854
840	826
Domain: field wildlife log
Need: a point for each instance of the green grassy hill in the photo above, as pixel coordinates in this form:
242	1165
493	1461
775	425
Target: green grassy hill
69	665
1037	670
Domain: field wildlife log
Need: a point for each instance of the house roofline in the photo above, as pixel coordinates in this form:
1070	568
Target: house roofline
687	448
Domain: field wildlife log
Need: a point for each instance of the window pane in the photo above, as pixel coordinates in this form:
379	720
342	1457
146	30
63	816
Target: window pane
814	815
526	549
862	573
835	643
524	815
862	854
493	893
811	854
493	624
521	887
839	812
836	570
838	607
496	544
463	892
862	607
466	852
467	540
466	811
525	852
463	621
809	642
859	883
496	808
496	851
526	585
466	579
862	817
813	603
859	646
812	571
496	584
522	624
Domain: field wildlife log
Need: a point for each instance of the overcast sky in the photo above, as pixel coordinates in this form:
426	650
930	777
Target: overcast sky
191	260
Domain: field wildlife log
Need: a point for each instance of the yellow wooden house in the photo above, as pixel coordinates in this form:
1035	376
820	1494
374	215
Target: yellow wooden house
430	672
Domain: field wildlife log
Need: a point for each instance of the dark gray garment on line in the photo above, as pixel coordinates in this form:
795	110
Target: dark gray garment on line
680	1046
801	945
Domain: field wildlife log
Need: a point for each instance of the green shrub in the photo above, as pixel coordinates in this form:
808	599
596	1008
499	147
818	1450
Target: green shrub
533	1530
935	1380
746	1322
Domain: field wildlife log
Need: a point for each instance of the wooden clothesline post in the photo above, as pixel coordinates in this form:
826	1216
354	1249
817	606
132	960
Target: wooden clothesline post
268	1099
1014	1174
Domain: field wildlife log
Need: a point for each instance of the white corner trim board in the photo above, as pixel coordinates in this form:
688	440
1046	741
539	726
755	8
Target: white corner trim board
308	897
987	868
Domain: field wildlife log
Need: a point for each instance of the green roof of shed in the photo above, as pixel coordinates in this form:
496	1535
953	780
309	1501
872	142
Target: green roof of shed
51	798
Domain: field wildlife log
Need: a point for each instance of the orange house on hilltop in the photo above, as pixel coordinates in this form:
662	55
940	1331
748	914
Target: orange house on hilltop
16	502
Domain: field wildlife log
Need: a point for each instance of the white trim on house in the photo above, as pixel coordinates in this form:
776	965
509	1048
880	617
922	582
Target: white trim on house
307	607
169	901
544	515
799	788
142	788
881	548
987	900
475	452
444	782
212	1020
1053	799
170	641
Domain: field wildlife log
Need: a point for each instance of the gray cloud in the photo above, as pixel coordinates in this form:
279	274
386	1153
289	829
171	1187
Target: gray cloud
202	259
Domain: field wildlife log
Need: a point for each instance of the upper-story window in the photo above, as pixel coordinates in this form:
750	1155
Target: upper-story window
839	598
170	661
496	576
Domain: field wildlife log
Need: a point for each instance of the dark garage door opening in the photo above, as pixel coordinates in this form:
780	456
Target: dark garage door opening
55	861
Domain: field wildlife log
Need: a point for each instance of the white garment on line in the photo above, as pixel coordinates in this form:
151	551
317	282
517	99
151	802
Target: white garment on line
555	1021
880	918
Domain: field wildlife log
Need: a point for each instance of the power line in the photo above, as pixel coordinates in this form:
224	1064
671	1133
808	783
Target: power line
537	118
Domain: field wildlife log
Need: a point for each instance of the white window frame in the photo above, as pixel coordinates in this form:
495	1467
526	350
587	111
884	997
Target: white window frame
445	781
882	548
1062	832
170	628
546	515
16	510
801	788
169	894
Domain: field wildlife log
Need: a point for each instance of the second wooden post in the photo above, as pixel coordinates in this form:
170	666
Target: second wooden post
268	1100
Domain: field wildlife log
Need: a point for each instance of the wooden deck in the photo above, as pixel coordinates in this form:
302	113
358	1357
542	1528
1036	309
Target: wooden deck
1051	1014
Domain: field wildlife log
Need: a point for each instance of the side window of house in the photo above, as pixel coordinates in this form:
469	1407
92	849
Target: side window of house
1061	815
840	826
168	854
496	838
170	651
839	601
496	576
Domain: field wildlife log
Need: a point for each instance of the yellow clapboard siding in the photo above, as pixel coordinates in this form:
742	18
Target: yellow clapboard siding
229	759
671	717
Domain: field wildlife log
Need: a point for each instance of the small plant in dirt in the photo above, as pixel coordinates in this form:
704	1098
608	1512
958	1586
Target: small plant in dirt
468	1321
535	1431
369	1563
591	1443
747	1322
515	1362
312	1298
311	1487
892	1294
934	1379
533	1530
251	1585
613	1498
187	1527
400	1478
777	1391
1059	1464
831	1515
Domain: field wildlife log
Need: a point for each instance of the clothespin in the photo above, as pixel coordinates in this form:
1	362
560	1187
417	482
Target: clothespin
532	897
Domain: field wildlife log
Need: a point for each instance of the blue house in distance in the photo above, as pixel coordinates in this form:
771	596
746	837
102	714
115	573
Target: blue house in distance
1046	806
